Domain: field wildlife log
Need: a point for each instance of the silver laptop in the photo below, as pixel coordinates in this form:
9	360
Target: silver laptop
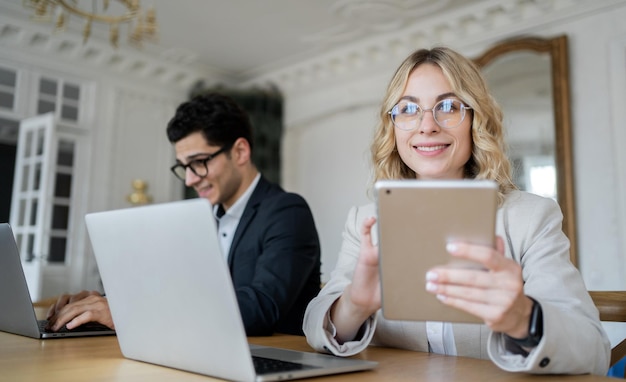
18	315
162	268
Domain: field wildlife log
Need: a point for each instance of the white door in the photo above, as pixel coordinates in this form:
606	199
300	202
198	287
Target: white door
33	193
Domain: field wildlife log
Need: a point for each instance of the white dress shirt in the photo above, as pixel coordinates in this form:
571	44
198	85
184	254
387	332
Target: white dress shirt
228	222
440	337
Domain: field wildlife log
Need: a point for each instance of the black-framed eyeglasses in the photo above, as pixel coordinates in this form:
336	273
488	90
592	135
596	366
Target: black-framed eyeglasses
197	166
448	113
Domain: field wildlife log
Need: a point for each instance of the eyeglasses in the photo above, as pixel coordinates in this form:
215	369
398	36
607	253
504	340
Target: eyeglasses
448	113
197	166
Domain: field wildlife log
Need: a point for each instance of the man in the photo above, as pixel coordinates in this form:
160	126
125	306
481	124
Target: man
267	234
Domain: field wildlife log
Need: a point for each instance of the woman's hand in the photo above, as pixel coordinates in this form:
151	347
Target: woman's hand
365	288
360	299
496	294
75	310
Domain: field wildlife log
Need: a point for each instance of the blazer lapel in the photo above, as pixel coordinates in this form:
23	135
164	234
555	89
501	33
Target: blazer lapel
249	212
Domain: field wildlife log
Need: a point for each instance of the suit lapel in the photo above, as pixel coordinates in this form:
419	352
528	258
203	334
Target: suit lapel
249	212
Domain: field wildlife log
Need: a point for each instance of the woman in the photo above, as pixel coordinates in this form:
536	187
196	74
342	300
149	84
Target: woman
438	121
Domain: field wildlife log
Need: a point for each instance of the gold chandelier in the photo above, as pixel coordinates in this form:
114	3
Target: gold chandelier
141	24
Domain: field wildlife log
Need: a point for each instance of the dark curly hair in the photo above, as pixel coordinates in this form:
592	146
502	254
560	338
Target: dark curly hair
220	119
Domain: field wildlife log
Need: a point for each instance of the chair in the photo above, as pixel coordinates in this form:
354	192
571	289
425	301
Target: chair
612	307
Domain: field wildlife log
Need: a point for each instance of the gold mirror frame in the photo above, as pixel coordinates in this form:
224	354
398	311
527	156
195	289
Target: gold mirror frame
557	49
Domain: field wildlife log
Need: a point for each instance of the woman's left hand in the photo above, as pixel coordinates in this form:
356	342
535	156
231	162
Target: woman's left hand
495	294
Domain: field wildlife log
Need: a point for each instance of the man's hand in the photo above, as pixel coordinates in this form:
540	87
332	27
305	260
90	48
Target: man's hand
75	310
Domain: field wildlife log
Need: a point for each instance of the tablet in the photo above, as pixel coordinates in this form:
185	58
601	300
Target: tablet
416	219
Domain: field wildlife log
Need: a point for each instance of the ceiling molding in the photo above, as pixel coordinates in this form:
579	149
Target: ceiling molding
360	18
37	40
485	23
480	23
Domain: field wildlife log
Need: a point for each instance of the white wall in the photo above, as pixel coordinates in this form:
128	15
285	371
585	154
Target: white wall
328	174
601	254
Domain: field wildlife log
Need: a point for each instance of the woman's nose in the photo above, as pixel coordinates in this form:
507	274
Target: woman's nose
427	124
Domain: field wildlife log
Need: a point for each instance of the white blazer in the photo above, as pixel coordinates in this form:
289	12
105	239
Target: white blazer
573	342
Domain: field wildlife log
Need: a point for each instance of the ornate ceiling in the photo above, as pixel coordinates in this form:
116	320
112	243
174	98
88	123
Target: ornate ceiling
284	42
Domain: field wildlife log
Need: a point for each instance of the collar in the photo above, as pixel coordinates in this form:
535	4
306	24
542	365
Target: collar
237	209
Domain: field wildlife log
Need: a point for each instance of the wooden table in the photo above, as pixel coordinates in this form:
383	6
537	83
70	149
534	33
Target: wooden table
100	359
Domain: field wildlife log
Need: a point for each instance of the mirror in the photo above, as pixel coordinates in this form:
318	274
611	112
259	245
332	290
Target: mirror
529	78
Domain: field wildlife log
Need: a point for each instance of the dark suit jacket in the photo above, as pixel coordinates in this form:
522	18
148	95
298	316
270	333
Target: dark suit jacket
274	261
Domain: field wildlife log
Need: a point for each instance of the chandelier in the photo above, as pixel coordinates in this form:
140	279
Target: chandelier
141	24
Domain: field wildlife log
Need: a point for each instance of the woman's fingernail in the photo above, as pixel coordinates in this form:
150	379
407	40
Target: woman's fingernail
431	276
451	247
441	297
431	286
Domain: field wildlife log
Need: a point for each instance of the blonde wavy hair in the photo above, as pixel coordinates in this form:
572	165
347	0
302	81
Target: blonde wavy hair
488	160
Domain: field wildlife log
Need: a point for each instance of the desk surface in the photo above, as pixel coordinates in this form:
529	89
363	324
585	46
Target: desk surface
100	359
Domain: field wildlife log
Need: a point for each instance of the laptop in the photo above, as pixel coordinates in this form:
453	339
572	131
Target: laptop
18	315
172	299
416	219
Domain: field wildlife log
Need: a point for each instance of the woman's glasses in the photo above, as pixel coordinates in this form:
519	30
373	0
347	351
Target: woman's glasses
448	113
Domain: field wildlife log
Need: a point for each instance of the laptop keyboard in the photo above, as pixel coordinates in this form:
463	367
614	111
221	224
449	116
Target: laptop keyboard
268	365
88	327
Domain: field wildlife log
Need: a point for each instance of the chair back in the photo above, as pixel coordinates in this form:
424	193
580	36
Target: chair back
612	307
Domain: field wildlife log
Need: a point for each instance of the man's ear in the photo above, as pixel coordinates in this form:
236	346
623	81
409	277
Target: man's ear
241	151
